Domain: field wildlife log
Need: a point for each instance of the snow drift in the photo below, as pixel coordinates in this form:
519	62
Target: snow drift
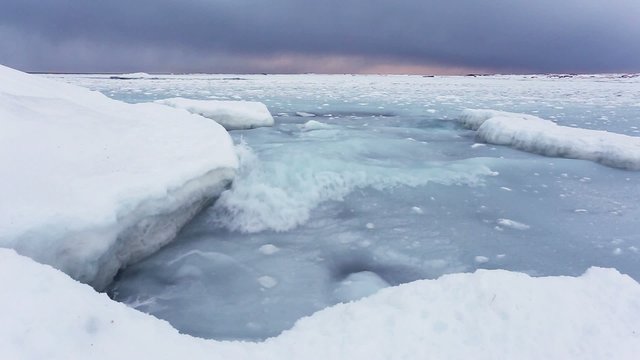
536	135
233	115
484	315
91	184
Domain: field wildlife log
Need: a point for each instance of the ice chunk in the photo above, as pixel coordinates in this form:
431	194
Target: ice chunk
358	285
512	224
90	184
305	114
48	315
417	210
473	118
313	125
536	135
233	115
267	281
268	249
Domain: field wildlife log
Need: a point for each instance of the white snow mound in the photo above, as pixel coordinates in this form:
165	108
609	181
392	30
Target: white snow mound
91	184
233	115
489	314
536	135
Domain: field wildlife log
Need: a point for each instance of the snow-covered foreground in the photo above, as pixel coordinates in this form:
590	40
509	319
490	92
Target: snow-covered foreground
530	133
484	315
233	115
90	184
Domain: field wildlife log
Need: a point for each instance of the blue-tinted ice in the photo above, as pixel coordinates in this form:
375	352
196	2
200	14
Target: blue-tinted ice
385	189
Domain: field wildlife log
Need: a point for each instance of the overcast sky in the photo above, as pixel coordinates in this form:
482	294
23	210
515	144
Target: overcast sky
323	36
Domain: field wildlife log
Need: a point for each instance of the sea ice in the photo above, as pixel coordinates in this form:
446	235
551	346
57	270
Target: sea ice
313	125
512	224
269	249
131	76
233	115
533	134
474	118
358	285
320	188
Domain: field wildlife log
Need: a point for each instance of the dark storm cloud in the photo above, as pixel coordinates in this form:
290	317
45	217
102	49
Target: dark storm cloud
234	35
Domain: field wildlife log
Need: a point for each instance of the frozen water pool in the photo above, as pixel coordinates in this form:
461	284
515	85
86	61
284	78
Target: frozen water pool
365	182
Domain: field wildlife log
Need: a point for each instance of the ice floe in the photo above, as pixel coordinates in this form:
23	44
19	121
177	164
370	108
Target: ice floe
233	115
533	134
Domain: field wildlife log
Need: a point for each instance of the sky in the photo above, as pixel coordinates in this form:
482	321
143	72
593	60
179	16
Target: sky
321	36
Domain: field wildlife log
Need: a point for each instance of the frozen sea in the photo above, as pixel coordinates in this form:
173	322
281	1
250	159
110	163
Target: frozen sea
368	181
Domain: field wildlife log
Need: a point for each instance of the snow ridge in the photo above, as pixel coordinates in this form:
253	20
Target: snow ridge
533	134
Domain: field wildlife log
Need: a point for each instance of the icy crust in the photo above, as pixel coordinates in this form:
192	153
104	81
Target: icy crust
536	135
484	315
90	183
233	115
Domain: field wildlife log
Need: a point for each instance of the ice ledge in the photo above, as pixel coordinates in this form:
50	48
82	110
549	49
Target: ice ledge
94	255
90	184
533	134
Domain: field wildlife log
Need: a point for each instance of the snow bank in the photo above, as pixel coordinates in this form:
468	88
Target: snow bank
536	135
233	115
484	315
90	184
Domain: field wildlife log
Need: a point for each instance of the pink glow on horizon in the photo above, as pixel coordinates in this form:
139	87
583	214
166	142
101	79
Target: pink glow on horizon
340	64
